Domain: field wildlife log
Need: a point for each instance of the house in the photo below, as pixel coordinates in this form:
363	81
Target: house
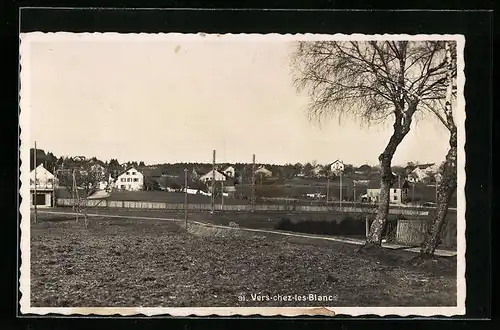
130	179
337	166
152	178
438	177
106	183
317	171
397	194
229	172
372	192
44	183
419	173
195	174
263	171
219	176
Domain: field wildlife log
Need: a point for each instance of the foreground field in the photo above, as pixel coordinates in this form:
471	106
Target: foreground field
157	263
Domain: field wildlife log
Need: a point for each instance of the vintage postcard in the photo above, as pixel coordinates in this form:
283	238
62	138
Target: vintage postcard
242	174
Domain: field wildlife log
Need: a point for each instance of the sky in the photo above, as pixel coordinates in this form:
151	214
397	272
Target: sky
166	101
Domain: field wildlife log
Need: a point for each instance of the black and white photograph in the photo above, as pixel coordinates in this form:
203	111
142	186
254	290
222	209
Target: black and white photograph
242	174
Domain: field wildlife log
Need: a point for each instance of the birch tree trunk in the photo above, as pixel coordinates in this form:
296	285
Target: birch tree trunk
401	128
386	182
446	188
448	184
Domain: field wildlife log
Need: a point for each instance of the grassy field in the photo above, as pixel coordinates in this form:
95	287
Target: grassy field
345	224
269	193
119	262
168	197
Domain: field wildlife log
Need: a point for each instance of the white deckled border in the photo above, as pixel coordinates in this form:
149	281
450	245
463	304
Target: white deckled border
24	119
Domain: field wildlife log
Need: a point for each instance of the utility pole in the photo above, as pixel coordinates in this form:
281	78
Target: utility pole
242	175
338	167
340	188
75	195
54	188
213	182
222	194
253	183
354	191
35	196
327	189
185	197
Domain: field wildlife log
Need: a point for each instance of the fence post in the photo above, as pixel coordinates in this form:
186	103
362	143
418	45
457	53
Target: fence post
367	226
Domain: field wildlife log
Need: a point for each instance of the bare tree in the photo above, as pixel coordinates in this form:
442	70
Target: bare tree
81	184
443	109
374	81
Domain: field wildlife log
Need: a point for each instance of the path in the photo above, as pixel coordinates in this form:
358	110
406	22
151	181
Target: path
444	253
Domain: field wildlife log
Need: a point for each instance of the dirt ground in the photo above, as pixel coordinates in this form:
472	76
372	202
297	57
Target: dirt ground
119	263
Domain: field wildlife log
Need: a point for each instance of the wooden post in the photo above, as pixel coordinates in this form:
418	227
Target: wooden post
340	188
327	189
367	226
354	191
185	198
213	182
253	183
35	196
54	188
222	194
242	175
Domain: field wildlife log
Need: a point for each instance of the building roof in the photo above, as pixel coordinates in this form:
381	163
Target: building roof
419	166
41	171
263	169
128	169
209	173
375	184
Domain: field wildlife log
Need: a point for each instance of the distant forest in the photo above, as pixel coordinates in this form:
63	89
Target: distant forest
51	162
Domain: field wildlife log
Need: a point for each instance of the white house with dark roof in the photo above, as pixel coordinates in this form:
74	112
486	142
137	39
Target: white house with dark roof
43	182
264	171
130	179
229	172
421	172
317	171
219	176
337	166
398	193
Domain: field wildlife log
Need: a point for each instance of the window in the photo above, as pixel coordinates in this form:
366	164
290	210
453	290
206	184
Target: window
122	179
128	179
122	186
136	179
394	190
128	173
133	173
395	197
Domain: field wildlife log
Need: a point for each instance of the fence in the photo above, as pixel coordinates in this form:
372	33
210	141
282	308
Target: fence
240	208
